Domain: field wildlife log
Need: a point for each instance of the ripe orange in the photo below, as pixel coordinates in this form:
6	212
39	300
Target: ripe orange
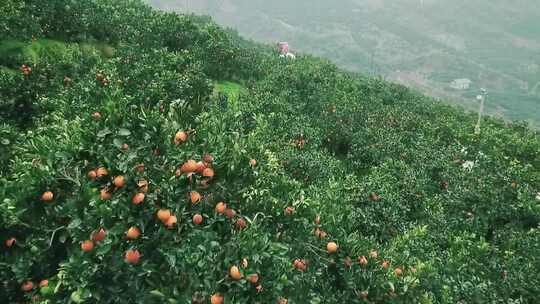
133	233
47	196
43	283
289	210
119	181
208	172
240	224
300	265
189	166
220	207
125	146
87	246
253	162
163	215
362	260
101	172
234	272
253	278
197	219
138	198
216	299
200	167
207	158
331	247
283	301
10	242
195	197
104	195
27	286
139	168
132	256
398	271
98	236
180	137
92	174
96	115
171	221
230	213
385	264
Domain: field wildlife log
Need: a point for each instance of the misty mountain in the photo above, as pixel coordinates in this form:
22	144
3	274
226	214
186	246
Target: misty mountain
427	44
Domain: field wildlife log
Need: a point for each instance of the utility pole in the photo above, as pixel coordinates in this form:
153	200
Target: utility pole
482	98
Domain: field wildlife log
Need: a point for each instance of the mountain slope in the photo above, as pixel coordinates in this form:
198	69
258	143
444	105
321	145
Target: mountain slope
191	166
424	44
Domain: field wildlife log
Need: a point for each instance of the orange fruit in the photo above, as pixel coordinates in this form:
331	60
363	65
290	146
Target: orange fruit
200	167
10	242
216	299
234	272
197	219
138	198
289	210
163	215
125	146
208	172
195	197
101	171
98	236
43	283
96	115
362	260
92	174
283	301
398	271
119	181
240	224
139	168
180	137
207	158
87	246
317	220
331	247
253	278
300	265
171	221
132	256
189	166
133	233
104	195
385	264
47	196
245	263
27	286
220	207
253	162
230	213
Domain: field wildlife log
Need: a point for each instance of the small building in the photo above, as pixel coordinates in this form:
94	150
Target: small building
461	84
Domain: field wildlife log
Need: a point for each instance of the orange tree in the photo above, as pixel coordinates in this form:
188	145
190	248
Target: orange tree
133	183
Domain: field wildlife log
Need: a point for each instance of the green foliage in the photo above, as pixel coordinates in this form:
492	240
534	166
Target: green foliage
454	214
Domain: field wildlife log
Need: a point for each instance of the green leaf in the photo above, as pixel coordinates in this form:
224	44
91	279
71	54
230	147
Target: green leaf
124	132
104	132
